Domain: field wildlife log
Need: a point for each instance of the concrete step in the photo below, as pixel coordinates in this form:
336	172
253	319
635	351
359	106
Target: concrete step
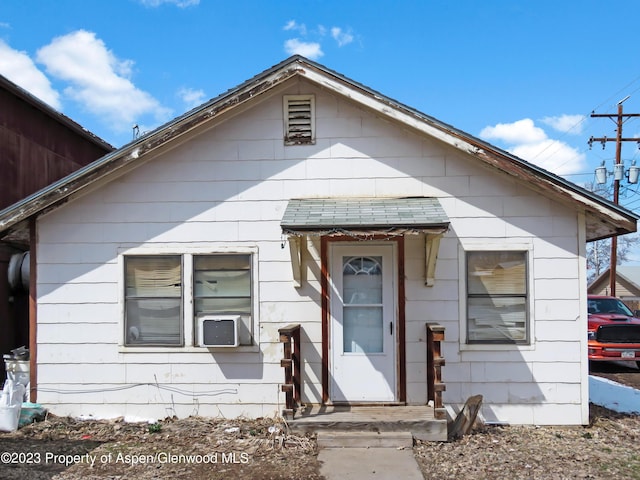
364	439
417	419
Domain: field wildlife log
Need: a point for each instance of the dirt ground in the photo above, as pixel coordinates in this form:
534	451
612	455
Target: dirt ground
609	448
199	448
193	448
626	373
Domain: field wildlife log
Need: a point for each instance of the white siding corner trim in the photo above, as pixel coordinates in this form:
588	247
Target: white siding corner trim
582	275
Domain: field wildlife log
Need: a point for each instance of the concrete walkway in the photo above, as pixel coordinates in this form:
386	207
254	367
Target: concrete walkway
354	455
366	455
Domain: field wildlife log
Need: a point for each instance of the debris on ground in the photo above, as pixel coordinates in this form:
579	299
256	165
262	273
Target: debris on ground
61	448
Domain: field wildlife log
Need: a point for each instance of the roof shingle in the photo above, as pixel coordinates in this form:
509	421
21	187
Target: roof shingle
350	213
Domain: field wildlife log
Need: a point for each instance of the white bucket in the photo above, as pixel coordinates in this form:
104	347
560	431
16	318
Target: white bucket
18	371
9	417
10	406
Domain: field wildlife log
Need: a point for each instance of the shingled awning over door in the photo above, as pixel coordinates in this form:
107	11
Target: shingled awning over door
362	218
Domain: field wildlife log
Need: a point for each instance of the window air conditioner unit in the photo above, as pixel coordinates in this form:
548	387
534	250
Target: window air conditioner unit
218	331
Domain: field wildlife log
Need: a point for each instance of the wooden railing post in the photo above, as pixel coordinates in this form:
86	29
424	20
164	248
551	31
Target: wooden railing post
435	362
290	339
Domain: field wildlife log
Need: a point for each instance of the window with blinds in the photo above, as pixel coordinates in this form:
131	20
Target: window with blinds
155	296
299	119
222	286
153	299
497	297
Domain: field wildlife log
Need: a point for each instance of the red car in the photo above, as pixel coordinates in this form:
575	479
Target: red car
613	330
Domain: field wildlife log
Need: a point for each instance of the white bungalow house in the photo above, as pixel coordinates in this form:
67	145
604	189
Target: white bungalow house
166	275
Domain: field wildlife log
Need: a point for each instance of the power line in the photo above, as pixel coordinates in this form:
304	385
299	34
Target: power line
583	119
620	119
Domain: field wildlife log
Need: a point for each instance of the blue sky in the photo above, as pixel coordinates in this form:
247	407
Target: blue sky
524	75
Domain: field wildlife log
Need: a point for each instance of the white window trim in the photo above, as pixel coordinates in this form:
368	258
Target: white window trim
489	244
187	253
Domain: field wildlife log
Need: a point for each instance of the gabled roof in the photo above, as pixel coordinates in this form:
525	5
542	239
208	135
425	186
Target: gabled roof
626	274
603	218
630	273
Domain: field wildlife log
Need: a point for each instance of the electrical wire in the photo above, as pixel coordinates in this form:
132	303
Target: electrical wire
209	393
558	142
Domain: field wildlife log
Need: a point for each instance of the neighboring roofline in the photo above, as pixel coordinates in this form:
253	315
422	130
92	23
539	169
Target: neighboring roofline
626	277
599	279
619	219
619	276
48	110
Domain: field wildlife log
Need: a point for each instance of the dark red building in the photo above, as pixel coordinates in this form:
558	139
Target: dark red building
38	146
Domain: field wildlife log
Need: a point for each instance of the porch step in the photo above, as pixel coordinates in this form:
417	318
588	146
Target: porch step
364	439
419	420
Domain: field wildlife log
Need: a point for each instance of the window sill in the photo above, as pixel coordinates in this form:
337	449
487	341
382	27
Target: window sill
190	349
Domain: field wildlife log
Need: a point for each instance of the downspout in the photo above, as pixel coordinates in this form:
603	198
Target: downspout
33	313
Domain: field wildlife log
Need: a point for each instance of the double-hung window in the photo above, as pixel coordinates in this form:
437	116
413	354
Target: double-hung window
497	297
153	300
160	304
222	286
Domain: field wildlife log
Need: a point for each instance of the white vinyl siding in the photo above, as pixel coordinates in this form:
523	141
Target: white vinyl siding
224	191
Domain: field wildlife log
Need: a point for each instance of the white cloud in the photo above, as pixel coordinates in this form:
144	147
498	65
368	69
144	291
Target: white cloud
313	48
191	98
310	50
177	3
343	38
301	28
566	123
20	69
553	155
522	131
529	142
98	80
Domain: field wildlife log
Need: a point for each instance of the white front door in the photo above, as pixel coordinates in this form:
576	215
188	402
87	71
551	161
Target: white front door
363	322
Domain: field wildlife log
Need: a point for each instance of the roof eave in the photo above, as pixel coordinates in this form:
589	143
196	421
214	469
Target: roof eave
619	219
377	226
48	110
72	184
614	218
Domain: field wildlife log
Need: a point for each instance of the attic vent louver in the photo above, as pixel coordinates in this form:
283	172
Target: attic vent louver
299	119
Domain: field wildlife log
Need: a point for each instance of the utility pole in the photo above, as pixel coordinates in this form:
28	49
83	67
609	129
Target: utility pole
619	118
